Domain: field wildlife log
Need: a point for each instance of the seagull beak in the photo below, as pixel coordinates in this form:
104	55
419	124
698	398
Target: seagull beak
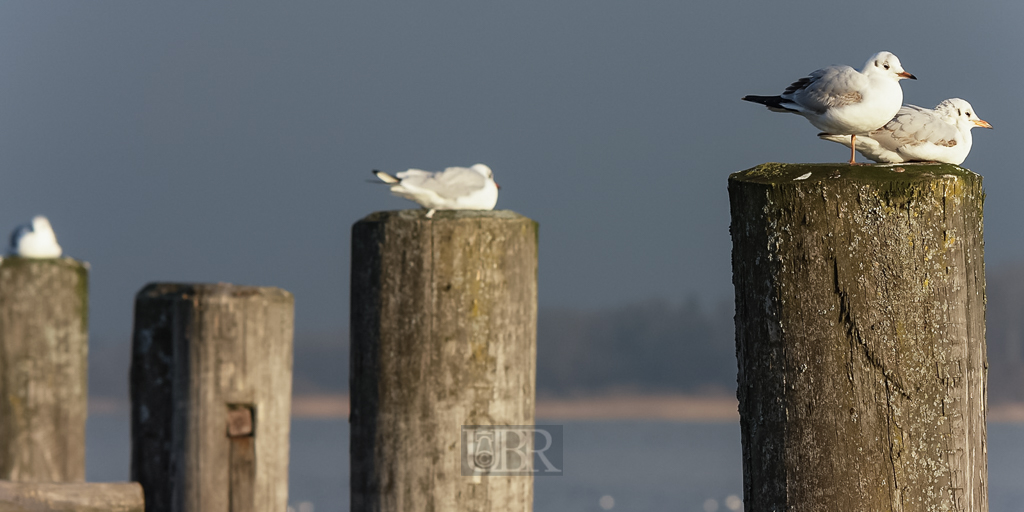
904	74
499	186
983	124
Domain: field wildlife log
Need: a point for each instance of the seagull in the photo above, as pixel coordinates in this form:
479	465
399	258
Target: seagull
919	134
840	100
35	240
455	188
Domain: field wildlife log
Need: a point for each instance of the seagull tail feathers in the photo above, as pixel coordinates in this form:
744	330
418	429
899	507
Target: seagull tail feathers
774	103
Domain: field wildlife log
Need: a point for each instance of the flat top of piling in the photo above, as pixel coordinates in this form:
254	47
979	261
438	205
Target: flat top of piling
187	291
780	173
443	215
17	261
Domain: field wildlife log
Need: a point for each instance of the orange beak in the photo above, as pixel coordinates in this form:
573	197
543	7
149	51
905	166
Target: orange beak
983	124
906	75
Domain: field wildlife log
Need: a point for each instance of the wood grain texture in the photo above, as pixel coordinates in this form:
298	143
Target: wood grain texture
443	330
860	302
44	346
71	497
202	353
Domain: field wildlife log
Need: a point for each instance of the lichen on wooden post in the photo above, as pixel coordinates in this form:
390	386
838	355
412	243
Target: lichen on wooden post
44	346
860	301
443	334
211	382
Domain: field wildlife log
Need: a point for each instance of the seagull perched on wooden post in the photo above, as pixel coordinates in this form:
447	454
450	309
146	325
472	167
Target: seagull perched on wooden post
455	188
840	100
918	134
35	240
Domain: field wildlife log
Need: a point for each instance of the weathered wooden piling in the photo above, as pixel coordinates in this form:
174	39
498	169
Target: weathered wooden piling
44	345
443	334
860	334
71	497
211	382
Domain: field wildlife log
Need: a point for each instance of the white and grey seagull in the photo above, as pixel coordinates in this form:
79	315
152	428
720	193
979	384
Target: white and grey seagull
455	188
35	240
918	134
840	100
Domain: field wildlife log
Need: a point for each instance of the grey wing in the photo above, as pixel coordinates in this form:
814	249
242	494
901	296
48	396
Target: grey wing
916	125
827	88
451	183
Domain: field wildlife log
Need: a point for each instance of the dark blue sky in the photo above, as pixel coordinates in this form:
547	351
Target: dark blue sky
232	142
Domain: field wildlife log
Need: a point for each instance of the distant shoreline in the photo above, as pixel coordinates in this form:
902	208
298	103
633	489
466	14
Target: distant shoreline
690	408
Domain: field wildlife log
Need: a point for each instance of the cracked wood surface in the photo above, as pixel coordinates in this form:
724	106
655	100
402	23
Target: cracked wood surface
860	334
443	330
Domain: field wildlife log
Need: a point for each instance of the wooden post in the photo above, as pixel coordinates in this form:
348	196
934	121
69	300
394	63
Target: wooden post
211	383
71	497
44	345
443	334
860	334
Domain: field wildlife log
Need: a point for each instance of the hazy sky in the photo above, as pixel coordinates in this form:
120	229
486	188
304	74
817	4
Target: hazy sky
232	142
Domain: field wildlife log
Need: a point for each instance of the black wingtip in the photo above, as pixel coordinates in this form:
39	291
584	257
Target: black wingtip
385	177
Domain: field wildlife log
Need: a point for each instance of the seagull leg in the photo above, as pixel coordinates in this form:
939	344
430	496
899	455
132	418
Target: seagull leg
430	214
853	149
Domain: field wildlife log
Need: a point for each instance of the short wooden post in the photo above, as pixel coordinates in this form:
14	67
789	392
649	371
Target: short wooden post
860	333
211	382
71	497
443	334
44	345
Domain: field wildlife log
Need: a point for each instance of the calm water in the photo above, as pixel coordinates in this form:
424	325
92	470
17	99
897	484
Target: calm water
641	465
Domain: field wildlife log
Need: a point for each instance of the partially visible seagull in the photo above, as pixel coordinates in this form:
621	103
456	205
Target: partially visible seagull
919	134
455	188
35	240
840	100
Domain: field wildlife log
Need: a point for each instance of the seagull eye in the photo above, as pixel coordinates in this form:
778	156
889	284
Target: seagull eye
968	114
886	65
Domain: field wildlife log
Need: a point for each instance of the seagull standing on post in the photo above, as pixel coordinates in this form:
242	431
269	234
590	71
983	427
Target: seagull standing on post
840	100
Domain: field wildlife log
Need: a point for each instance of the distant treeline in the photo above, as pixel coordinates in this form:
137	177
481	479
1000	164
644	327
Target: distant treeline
648	347
1005	333
653	347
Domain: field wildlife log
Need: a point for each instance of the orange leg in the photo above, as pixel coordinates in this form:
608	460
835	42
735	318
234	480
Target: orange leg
853	150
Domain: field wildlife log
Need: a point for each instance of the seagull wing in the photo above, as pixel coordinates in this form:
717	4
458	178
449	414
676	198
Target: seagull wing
452	183
826	88
914	125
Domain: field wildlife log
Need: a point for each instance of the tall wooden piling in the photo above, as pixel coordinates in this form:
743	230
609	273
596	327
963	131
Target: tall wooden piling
860	303
44	345
211	382
443	334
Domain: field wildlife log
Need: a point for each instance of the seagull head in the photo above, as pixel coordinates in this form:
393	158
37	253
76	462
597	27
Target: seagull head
486	172
885	63
41	227
961	113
